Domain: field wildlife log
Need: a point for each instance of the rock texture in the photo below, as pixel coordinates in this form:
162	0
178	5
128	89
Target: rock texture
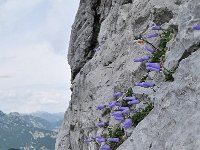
101	54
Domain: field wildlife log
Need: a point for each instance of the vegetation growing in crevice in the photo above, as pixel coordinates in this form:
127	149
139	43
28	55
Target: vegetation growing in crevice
128	93
106	112
118	132
169	74
166	36
139	116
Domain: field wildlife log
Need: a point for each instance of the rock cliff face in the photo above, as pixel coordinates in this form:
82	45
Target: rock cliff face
101	54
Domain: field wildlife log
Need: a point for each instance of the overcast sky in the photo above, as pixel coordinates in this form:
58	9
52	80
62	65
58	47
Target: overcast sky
34	37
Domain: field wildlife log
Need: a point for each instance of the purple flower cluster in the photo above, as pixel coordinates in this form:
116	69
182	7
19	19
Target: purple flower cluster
121	113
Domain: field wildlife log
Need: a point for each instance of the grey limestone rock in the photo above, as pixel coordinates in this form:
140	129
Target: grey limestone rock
101	53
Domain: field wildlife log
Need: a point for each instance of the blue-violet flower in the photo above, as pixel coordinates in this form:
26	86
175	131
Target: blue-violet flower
119	118
105	147
126	111
141	59
100	107
87	140
99	140
155	28
149	49
111	104
196	27
117	94
152	35
113	139
123	108
100	124
153	65
129	98
133	102
152	69
117	113
127	124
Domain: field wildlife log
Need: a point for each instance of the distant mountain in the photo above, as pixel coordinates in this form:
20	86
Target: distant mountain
26	132
51	117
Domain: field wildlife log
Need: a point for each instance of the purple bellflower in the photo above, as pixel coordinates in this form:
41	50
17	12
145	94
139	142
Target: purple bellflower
113	139
129	98
133	102
148	84
119	118
123	108
117	94
153	69
111	104
96	136
145	58
153	65
100	107
117	113
138	60
87	140
152	35
139	84
149	49
105	147
114	103
141	59
196	27
145	84
155	28
126	111
100	140
100	124
127	124
118	104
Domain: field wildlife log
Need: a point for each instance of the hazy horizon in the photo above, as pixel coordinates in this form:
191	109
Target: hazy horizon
34	38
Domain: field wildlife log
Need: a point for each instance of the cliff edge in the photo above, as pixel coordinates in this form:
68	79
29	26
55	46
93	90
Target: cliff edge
106	37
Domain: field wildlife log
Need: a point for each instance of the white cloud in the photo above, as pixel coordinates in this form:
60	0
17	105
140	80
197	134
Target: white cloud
34	37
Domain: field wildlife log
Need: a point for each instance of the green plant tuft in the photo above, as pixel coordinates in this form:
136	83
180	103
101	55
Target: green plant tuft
106	112
166	36
128	93
169	74
142	114
117	133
